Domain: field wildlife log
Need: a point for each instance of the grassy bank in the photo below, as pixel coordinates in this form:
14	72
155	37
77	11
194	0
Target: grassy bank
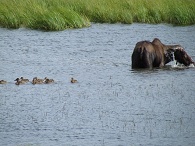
63	14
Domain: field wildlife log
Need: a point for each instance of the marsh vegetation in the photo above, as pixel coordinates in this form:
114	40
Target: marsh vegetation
63	14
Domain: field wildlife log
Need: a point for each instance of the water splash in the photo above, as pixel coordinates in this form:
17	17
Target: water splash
191	65
174	62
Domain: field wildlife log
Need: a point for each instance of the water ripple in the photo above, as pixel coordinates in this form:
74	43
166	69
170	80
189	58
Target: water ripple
111	104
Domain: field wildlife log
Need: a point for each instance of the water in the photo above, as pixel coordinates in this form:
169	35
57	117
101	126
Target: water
111	105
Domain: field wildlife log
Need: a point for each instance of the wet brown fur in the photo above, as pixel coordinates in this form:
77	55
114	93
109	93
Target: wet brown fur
151	54
182	57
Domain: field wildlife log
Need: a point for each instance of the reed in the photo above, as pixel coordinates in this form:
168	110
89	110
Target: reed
40	14
63	14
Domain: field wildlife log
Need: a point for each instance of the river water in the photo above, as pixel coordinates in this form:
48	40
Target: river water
111	105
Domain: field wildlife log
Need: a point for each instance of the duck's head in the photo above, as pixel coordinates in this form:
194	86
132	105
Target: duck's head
17	79
35	78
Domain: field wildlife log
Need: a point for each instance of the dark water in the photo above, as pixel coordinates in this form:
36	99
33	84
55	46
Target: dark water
111	105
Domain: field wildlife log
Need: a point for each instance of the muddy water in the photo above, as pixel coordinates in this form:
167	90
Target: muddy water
111	105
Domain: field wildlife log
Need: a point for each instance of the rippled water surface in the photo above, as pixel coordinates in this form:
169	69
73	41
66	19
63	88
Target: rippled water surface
111	105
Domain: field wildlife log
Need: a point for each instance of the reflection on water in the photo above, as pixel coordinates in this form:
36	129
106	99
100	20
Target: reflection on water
111	104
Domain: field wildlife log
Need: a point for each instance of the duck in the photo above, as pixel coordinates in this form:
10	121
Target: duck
73	80
19	82
47	81
3	82
22	79
37	81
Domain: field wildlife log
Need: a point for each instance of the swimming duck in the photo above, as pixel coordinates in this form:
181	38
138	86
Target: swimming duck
19	82
37	81
3	82
73	80
22	79
47	81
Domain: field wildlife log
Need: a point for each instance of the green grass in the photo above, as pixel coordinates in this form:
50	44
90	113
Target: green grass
53	15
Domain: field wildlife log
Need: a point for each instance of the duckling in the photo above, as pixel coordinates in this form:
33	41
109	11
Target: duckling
33	80
73	80
3	82
19	82
47	81
37	81
22	79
